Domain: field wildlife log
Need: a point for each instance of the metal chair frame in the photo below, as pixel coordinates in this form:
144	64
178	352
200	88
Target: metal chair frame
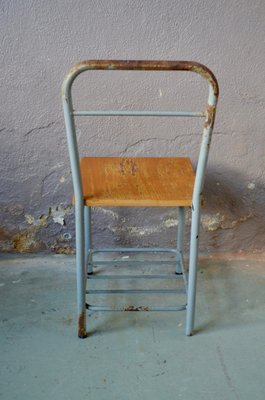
84	251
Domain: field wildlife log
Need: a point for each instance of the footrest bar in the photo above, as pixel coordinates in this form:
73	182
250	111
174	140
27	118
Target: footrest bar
136	250
136	308
114	277
130	263
136	291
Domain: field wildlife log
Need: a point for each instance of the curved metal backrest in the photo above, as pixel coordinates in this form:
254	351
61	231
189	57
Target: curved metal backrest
134	65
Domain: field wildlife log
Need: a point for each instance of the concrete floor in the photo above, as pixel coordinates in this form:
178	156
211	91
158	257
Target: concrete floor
130	355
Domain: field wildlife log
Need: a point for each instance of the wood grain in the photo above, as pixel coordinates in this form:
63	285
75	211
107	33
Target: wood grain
137	181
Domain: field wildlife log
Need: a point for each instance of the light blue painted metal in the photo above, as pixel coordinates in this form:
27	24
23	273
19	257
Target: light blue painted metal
132	113
135	263
136	250
83	215
88	240
196	209
135	291
169	276
180	240
135	308
79	208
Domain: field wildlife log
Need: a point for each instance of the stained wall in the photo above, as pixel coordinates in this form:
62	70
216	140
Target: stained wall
41	40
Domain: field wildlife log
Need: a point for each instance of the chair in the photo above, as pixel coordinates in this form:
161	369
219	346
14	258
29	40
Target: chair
129	182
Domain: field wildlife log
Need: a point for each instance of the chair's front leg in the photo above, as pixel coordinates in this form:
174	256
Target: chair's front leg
180	239
80	270
194	243
88	240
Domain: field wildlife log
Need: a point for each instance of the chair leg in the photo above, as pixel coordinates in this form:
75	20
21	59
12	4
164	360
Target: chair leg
88	240
180	239
80	270
194	243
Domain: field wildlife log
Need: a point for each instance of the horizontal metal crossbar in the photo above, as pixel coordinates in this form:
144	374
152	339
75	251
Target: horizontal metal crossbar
133	113
124	277
137	308
133	262
136	250
135	291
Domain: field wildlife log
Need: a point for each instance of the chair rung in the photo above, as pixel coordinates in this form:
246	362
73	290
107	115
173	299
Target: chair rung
135	291
114	277
133	263
136	250
136	308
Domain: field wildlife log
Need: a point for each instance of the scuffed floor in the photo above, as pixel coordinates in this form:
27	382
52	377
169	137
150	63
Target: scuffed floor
130	355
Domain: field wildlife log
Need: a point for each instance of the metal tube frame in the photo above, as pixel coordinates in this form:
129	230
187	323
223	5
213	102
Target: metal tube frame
84	251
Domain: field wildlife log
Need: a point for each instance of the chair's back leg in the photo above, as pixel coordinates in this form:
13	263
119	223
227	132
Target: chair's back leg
88	240
180	239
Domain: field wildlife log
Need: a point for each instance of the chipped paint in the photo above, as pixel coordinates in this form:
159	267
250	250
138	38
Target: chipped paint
41	221
113	215
61	248
170	223
58	214
217	221
135	230
30	219
27	237
210	116
211	222
58	217
27	243
251	186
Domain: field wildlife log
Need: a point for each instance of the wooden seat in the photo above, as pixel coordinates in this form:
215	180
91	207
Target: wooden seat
112	181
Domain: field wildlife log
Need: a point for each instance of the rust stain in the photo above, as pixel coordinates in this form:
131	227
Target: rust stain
144	65
134	308
82	325
202	200
210	117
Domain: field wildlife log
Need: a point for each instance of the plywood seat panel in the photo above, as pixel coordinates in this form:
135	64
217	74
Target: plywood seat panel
109	181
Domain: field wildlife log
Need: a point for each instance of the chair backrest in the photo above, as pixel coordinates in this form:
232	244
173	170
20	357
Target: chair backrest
208	114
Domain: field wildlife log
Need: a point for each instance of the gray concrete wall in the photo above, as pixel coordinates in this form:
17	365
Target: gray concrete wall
41	40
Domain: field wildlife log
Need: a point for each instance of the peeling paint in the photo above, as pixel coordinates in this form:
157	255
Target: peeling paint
211	222
58	217
27	243
113	215
60	248
251	186
135	230
241	219
41	221
170	223
58	214
30	219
